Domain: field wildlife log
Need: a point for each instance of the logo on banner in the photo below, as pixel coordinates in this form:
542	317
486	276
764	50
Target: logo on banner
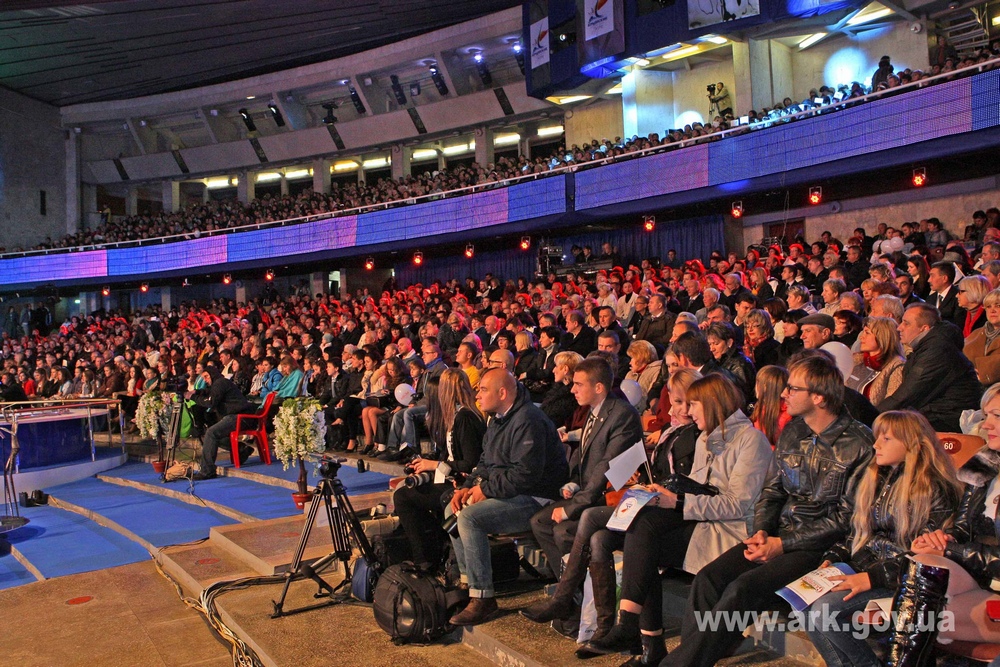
600	18
539	42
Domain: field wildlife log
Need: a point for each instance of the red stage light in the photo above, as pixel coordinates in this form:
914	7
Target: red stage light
144	287
648	223
815	195
919	177
418	258
525	242
470	250
269	275
226	279
737	209
369	264
106	291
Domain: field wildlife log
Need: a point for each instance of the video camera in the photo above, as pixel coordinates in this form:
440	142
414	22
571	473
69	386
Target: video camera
711	88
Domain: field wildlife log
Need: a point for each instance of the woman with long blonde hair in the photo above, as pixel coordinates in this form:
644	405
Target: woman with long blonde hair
909	487
457	427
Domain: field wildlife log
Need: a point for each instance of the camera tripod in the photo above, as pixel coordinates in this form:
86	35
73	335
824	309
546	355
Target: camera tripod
343	524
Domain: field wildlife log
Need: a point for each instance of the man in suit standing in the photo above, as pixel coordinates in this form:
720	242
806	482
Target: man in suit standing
612	427
579	338
944	293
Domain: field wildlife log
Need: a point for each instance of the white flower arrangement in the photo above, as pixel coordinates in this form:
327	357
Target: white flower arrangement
299	430
153	413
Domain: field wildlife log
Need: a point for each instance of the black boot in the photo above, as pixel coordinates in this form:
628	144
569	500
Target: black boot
917	607
654	649
562	606
624	637
602	578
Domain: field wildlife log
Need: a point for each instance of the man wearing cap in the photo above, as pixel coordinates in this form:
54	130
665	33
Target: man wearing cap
816	330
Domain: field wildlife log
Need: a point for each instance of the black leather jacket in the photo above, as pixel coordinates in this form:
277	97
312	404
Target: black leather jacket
880	557
976	541
808	500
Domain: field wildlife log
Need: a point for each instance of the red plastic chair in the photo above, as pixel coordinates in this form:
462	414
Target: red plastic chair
259	433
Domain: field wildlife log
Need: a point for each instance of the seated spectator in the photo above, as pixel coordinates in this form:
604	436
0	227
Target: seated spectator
938	380
982	345
523	461
880	373
224	401
847	326
971	292
721	340
457	428
559	404
770	413
644	368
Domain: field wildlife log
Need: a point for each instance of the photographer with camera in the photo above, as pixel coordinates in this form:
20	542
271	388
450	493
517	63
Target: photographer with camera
720	99
523	466
457	427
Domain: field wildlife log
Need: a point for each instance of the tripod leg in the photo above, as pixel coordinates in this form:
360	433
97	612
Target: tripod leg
295	569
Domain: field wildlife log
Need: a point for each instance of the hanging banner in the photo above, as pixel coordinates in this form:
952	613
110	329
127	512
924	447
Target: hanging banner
598	17
703	13
539	32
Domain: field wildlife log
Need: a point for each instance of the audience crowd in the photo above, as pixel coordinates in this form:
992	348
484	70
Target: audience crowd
209	217
759	376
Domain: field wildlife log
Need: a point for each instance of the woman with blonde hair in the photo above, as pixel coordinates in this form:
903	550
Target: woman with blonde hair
982	345
909	487
525	352
457	427
770	414
644	368
559	403
972	291
880	372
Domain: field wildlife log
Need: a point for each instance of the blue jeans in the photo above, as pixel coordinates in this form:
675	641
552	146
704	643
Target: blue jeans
404	429
475	524
840	647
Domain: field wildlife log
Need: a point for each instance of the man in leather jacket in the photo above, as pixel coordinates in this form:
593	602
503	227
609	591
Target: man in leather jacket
803	510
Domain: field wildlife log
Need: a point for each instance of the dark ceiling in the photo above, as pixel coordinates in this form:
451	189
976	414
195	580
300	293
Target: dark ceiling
69	53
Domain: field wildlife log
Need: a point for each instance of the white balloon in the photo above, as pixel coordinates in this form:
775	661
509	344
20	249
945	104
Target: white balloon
632	391
404	393
896	243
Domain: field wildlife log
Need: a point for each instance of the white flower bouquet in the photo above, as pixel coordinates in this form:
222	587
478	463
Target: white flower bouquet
299	430
153	414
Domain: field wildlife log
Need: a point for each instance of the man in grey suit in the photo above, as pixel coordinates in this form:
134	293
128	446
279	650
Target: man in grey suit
612	427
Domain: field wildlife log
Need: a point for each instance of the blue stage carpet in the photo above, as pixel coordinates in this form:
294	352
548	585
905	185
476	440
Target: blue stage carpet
57	543
260	501
356	483
157	519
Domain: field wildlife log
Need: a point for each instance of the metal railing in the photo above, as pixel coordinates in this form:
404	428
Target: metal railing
764	123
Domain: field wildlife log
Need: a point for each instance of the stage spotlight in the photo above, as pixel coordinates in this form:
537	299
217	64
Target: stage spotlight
525	242
106	290
369	264
519	56
418	258
269	275
815	195
279	120
483	69
438	80
397	90
144	288
186	283
247	120
649	222
737	209
329	118
470	250
414	89
919	177
358	104
227	278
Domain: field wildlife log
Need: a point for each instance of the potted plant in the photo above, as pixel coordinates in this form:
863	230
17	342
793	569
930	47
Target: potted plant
152	417
299	430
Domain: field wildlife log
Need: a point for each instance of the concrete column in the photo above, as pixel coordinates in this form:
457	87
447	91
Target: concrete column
484	146
399	161
241	293
361	171
165	298
91	216
206	194
321	176
171	196
245	189
318	283
74	216
647	103
90	301
132	201
524	145
442	161
283	184
741	88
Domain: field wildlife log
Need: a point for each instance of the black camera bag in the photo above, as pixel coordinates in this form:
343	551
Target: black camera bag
412	605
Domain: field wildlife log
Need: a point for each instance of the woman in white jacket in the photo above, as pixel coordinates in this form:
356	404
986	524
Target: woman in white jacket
690	531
